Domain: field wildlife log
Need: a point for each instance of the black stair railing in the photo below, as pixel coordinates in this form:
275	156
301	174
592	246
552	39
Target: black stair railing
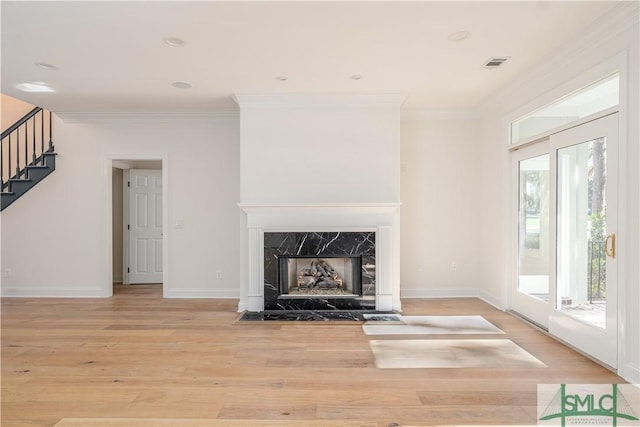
24	144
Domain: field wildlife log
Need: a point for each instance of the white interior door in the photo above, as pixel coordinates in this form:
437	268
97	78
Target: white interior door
145	226
584	301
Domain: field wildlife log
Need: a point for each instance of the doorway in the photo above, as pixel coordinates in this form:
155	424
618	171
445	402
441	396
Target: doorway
566	236
137	229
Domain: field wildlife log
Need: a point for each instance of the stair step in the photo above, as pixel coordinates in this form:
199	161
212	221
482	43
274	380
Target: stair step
19	181
38	172
35	174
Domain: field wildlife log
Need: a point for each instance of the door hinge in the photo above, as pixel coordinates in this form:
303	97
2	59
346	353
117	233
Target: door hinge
128	270
128	227
128	183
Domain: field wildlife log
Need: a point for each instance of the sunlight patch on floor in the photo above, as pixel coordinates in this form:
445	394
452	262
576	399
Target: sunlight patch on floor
438	325
463	353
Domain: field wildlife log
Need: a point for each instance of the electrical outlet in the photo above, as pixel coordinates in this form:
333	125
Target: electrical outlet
7	273
219	274
454	265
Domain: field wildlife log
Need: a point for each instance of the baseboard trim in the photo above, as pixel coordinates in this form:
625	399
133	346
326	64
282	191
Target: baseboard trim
631	373
203	293
452	293
489	299
52	293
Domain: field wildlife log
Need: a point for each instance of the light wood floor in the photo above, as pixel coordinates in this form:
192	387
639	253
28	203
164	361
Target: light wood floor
138	360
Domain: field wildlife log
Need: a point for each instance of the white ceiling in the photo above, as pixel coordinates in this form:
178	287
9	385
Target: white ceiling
111	58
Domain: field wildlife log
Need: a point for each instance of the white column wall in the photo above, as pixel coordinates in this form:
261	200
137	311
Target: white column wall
320	148
321	161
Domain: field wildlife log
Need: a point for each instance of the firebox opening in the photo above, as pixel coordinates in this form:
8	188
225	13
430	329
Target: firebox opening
324	276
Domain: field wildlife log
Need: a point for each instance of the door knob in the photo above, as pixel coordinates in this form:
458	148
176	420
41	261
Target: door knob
610	245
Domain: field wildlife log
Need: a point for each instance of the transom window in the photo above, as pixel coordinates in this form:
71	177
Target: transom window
582	103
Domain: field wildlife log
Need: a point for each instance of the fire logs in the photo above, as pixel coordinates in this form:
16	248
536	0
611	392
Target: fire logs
319	275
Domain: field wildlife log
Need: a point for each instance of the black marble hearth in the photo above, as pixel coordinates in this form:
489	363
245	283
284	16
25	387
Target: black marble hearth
332	315
321	244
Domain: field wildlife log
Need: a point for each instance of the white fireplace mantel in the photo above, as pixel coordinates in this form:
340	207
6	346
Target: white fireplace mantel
319	216
382	218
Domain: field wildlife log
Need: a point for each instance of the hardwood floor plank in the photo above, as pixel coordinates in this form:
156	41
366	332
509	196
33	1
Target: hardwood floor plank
478	397
157	422
432	415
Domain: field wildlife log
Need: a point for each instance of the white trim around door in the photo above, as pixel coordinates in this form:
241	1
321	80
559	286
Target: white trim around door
107	219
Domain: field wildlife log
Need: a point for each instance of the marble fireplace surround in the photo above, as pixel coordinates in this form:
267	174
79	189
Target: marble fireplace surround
380	218
329	247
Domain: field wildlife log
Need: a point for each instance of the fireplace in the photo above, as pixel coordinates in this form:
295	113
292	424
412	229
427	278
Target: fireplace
327	276
364	232
319	270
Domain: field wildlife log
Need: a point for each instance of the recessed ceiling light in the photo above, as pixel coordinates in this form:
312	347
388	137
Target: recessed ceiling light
458	36
181	85
281	78
34	87
45	66
174	41
356	77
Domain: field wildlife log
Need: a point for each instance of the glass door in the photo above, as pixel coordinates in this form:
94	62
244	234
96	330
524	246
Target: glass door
531	294
584	298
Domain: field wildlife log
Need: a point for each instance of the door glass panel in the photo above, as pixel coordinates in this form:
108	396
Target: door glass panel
533	233
581	231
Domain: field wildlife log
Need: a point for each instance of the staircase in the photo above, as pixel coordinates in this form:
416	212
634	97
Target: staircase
27	155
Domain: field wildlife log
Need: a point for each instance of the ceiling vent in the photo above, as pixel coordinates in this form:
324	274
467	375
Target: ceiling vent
495	62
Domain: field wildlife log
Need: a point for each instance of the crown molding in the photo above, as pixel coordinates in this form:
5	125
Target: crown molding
84	117
248	206
321	100
434	114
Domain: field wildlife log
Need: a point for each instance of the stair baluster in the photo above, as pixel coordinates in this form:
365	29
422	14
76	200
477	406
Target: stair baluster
35	166
17	153
33	153
50	131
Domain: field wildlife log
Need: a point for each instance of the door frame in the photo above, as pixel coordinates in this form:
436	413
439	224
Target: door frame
621	232
616	63
107	267
621	228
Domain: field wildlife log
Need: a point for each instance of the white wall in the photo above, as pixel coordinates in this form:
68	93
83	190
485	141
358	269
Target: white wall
320	149
12	110
62	222
441	207
582	59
